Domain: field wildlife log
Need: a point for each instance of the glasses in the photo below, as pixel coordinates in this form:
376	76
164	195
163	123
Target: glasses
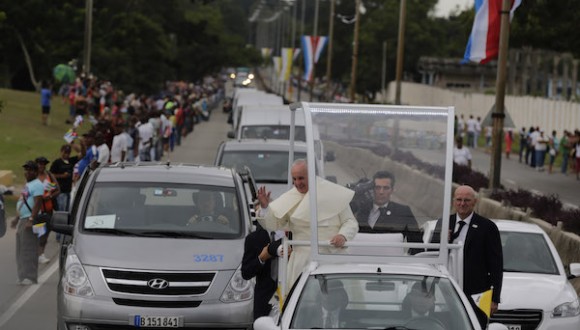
463	200
379	188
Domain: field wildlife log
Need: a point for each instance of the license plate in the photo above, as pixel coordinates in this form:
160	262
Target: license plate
150	321
514	327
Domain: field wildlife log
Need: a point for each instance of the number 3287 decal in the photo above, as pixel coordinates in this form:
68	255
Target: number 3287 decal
208	258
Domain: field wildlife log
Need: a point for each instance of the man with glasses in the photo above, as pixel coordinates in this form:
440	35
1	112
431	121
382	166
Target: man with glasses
482	252
381	215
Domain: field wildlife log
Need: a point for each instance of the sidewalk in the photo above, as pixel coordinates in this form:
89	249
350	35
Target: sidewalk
516	175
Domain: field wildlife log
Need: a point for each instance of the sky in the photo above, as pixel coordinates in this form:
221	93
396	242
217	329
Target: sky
444	7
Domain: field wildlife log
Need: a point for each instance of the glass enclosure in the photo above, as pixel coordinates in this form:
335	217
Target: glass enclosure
395	161
266	166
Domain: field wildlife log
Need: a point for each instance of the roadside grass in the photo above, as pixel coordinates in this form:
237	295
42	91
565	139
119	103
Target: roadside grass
23	137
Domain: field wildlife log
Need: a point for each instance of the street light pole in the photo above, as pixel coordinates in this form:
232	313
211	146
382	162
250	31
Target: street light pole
499	114
355	52
314	34
329	54
384	71
400	50
88	36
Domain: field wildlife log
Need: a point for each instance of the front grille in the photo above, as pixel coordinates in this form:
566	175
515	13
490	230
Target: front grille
529	319
157	303
158	283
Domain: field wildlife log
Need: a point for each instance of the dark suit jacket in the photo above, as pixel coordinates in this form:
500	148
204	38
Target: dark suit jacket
400	220
251	267
482	256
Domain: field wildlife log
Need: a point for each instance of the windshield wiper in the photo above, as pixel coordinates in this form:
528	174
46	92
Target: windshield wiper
272	181
113	231
173	234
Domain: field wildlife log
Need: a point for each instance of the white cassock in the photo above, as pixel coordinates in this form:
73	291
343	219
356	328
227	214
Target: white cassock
292	211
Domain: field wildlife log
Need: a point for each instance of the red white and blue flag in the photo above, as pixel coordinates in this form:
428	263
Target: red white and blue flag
483	44
312	47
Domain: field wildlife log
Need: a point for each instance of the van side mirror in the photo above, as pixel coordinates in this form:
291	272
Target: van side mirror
60	223
231	135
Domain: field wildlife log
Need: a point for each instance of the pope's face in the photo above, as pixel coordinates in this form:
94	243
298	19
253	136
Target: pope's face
300	177
382	191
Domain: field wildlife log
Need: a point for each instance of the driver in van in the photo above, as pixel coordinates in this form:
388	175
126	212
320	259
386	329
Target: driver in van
209	207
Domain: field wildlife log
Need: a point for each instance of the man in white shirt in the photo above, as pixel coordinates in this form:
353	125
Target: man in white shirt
145	139
119	146
461	155
103	149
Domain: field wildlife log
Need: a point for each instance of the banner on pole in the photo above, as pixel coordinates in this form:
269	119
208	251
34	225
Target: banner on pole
312	47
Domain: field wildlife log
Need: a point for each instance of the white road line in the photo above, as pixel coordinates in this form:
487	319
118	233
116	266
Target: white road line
27	294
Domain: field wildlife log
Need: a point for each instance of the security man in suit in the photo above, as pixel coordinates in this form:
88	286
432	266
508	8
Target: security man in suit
381	215
482	250
260	251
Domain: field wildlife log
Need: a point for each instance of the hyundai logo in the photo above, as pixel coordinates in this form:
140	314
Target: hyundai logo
158	283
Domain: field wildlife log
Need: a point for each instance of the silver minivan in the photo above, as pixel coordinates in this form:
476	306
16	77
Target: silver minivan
156	246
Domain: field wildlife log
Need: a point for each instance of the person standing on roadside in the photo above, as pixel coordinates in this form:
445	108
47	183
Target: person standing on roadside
461	154
51	190
62	170
565	151
27	208
45	96
523	144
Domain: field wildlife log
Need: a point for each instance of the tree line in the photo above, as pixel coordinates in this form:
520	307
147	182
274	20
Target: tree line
139	44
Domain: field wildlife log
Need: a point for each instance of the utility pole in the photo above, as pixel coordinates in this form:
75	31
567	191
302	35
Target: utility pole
301	57
88	36
400	50
499	114
329	54
355	52
314	34
384	71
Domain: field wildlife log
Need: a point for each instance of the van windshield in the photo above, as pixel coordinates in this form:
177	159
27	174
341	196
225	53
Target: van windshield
276	132
266	166
163	210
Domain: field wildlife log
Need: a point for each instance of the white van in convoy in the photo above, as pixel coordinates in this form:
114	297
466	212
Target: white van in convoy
156	246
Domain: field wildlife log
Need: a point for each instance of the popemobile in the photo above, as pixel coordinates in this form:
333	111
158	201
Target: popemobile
385	277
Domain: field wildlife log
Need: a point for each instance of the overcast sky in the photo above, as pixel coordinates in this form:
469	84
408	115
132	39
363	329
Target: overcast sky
445	6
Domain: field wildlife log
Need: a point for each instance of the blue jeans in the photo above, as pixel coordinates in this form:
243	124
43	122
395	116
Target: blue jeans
540	155
565	156
62	201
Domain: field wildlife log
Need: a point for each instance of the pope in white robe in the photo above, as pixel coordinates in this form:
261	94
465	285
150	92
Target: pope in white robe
291	211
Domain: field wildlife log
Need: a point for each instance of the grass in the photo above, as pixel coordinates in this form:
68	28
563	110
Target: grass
22	135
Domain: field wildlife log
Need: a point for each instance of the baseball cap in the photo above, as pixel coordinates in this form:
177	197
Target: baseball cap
30	165
42	160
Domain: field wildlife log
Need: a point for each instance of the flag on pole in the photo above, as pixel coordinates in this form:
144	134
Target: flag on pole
483	301
277	60
286	67
312	47
296	53
483	43
266	52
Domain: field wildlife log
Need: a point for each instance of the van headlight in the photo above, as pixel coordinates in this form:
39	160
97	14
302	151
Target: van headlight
568	309
238	289
75	280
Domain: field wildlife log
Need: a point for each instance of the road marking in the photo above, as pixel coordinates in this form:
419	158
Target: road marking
30	291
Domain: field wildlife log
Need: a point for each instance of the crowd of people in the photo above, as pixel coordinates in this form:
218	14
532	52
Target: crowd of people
122	128
536	148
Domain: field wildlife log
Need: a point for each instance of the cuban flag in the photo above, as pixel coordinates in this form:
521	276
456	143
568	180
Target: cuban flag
312	47
483	44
